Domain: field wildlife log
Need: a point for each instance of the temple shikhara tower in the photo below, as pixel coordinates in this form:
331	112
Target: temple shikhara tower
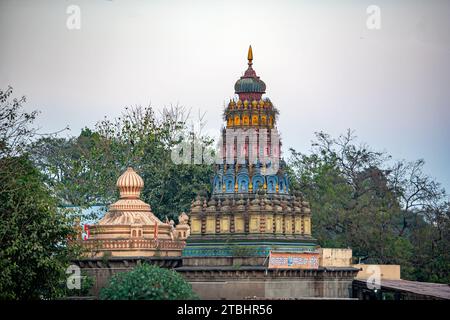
251	205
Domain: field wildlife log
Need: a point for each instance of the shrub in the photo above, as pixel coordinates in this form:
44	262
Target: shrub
146	282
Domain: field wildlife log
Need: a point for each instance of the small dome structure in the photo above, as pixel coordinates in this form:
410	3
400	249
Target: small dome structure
130	229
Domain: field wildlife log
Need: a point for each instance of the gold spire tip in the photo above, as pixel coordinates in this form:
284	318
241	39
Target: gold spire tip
250	55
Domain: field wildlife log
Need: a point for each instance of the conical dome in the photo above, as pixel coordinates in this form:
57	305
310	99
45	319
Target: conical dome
130	184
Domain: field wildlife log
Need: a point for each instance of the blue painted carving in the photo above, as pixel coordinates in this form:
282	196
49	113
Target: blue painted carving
243	179
257	182
217	185
282	183
229	183
228	179
257	178
286	178
272	182
243	184
218	180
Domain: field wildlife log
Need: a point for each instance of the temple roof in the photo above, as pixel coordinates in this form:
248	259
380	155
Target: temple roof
250	83
129	209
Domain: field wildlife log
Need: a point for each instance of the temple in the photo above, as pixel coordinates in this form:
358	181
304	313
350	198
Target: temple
251	203
130	229
247	237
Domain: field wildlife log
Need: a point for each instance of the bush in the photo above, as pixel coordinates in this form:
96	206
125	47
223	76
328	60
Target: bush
146	282
87	283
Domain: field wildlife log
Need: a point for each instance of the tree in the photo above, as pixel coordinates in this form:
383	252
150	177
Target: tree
15	129
83	170
147	282
387	213
34	234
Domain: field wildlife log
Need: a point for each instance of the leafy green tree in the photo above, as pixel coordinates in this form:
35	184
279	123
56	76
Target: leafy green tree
147	282
387	213
83	170
34	250
34	234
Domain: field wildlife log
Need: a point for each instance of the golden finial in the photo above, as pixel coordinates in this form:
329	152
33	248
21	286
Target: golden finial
250	56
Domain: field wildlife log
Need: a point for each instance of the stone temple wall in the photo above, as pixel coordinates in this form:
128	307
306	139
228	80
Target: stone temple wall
260	283
235	281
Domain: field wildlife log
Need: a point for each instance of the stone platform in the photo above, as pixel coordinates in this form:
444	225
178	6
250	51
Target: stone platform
234	277
243	277
252	281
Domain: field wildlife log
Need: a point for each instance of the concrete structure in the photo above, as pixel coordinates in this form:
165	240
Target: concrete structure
401	290
230	280
383	282
385	271
233	281
333	257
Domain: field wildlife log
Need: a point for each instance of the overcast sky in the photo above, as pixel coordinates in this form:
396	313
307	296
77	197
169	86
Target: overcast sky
324	69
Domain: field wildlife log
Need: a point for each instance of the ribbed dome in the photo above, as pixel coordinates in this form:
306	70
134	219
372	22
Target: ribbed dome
249	85
130	184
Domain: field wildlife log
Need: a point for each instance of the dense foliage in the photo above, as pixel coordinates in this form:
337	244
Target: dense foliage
33	233
147	282
387	212
83	170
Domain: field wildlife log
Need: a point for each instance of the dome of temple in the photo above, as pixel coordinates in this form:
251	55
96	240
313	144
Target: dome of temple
129	209
250	85
130	184
250	82
130	229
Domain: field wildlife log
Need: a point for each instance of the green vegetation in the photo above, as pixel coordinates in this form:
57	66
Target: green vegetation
86	284
33	233
83	170
387	212
147	282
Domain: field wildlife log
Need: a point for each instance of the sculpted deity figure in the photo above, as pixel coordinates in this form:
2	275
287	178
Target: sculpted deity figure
183	218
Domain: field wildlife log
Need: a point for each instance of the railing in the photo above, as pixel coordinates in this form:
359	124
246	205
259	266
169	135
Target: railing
132	244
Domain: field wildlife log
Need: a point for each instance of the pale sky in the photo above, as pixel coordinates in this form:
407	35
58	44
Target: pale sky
324	69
